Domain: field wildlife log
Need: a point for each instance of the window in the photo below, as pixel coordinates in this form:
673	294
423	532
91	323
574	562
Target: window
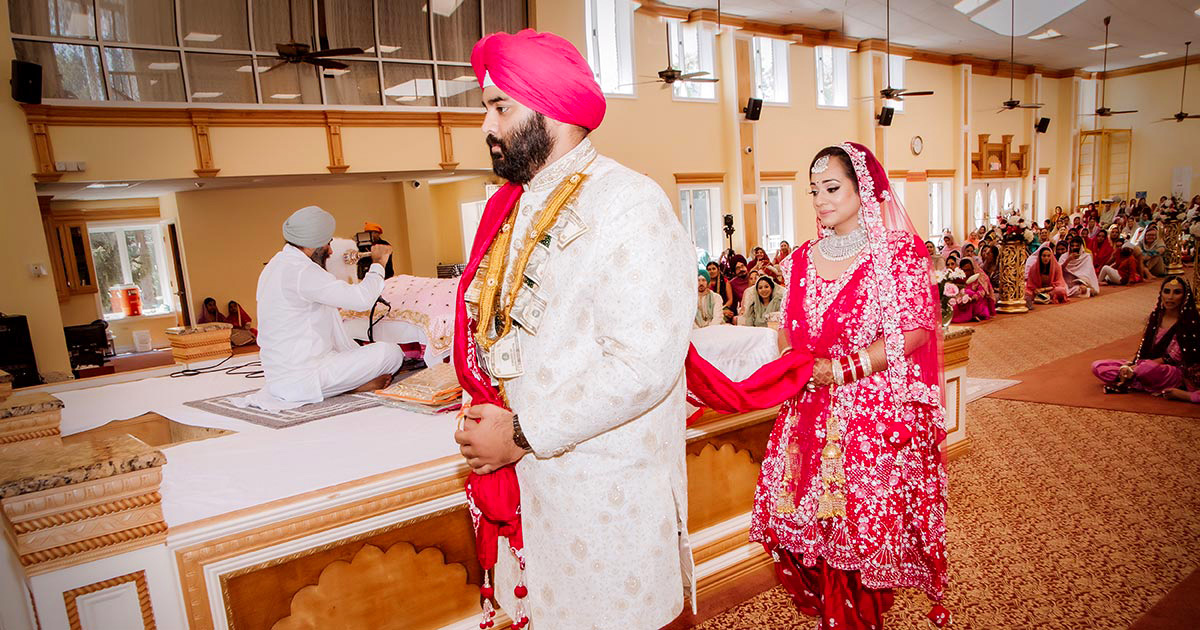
939	206
993	207
898	188
692	52
132	255
1043	211
472	214
978	213
896	79
416	52
832	76
610	44
776	219
1008	202
700	209
771	70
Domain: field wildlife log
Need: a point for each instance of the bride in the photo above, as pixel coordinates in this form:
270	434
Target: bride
851	500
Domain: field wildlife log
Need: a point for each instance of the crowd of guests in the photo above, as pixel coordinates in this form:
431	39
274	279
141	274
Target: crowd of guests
243	333
734	290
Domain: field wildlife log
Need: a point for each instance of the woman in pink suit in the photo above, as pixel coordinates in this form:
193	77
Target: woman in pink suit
978	298
1044	281
1168	360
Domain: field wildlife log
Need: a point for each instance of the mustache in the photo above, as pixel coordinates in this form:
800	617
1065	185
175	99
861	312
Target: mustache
493	141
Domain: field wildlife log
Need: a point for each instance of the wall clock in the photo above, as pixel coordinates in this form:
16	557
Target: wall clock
917	145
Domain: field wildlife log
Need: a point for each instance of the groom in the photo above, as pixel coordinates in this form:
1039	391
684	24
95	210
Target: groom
575	378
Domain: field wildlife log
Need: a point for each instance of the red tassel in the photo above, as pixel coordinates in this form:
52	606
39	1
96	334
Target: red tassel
520	591
487	592
939	615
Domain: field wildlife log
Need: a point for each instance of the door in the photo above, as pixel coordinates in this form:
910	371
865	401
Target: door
185	317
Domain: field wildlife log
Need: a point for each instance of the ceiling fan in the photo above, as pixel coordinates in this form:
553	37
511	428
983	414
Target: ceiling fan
671	74
1103	111
1013	103
890	93
297	52
1182	115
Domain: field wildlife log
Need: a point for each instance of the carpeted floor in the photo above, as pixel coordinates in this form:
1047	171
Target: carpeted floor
1060	517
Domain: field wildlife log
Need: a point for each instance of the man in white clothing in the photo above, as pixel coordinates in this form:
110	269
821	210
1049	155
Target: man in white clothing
306	354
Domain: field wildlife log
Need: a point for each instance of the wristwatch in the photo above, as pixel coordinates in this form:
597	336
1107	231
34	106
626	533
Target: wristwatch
519	435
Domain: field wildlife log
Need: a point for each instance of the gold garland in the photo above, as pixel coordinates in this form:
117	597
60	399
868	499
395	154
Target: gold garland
497	258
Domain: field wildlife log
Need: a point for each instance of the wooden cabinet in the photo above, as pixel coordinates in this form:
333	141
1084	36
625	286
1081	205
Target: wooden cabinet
70	252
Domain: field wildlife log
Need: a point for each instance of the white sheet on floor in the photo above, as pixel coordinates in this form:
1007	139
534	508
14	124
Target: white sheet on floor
979	387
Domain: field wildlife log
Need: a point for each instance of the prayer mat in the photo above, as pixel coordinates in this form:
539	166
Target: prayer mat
1069	381
979	387
336	406
1179	608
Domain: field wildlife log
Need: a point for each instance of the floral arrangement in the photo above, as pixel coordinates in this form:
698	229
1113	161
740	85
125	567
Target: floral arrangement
949	291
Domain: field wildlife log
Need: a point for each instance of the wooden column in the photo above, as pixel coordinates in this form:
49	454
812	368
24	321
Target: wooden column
748	184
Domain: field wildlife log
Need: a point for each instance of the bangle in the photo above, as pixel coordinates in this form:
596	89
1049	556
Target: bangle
864	358
847	371
839	376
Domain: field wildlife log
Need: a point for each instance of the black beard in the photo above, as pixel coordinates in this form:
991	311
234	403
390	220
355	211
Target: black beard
320	255
524	152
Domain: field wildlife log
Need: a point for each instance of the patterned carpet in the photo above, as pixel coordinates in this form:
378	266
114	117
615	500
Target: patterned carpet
1060	518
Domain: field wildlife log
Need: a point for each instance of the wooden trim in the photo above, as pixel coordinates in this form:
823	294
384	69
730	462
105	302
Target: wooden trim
143	592
333	139
916	176
1045	170
43	149
699	178
1142	69
939	172
106	214
958	449
203	144
777	176
446	143
897	174
73	116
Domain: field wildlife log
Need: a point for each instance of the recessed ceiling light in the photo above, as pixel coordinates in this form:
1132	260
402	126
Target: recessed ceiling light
464	78
335	72
107	185
1046	34
1103	46
206	94
1197	12
404	99
967	6
246	68
1153	54
202	37
164	66
285	96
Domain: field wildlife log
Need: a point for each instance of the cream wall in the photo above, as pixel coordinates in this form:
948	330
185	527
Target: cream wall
228	235
1158	147
22	240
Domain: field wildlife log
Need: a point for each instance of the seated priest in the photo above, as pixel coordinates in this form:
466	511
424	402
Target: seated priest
306	355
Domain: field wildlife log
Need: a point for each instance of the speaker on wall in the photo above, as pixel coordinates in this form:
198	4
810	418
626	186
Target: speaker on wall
26	82
885	116
753	109
1042	125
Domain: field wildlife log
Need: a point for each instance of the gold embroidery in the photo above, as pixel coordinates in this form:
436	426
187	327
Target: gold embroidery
832	503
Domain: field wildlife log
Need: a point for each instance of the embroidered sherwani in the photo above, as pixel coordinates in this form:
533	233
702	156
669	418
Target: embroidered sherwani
602	402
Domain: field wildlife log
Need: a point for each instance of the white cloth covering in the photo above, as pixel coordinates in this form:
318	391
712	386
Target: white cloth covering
602	402
738	351
300	332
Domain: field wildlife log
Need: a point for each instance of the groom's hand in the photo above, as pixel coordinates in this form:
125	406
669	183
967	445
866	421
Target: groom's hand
488	444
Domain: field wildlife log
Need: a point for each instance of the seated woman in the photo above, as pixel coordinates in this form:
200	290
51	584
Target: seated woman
968	251
209	314
989	262
979	302
1166	362
747	293
243	334
768	300
719	285
709	307
1127	268
1044	281
785	250
1078	270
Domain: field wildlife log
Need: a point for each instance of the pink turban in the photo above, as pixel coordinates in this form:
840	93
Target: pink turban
543	72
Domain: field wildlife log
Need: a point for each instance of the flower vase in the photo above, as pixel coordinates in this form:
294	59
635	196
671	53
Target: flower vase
947	315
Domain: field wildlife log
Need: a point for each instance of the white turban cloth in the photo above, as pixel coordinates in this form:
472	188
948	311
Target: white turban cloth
309	226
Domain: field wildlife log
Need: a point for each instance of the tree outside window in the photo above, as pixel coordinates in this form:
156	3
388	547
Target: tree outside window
131	255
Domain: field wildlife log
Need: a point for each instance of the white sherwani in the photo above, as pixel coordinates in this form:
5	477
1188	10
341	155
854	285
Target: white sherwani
602	402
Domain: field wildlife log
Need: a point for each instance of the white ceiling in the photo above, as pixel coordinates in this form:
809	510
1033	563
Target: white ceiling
157	188
1139	26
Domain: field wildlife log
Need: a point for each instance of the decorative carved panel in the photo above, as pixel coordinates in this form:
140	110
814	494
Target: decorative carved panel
721	482
998	160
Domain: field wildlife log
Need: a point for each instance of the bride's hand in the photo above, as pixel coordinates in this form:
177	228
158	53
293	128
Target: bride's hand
822	374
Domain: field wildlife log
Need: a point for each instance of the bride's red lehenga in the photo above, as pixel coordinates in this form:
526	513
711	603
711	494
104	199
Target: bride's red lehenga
851	501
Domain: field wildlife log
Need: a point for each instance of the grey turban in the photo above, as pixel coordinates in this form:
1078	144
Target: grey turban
309	226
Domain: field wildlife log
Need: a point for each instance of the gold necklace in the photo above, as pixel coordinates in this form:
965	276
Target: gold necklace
498	258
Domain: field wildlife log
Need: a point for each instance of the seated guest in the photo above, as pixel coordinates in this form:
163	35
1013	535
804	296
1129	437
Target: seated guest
1102	250
989	262
1060	248
719	285
766	301
1078	271
1153	249
243	334
948	245
1167	359
979	301
709	308
785	250
739	282
1127	268
968	250
952	261
306	354
209	313
1044	281
748	294
935	257
762	264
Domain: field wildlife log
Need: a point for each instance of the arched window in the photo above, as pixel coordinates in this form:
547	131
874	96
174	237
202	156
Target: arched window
1008	201
978	212
993	206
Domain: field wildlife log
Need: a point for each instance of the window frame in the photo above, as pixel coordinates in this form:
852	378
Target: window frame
781	50
896	63
166	272
624	26
715	214
945	217
787	215
706	51
475	209
260	59
840	58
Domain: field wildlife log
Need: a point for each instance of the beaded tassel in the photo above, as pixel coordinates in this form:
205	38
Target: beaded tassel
832	503
489	609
